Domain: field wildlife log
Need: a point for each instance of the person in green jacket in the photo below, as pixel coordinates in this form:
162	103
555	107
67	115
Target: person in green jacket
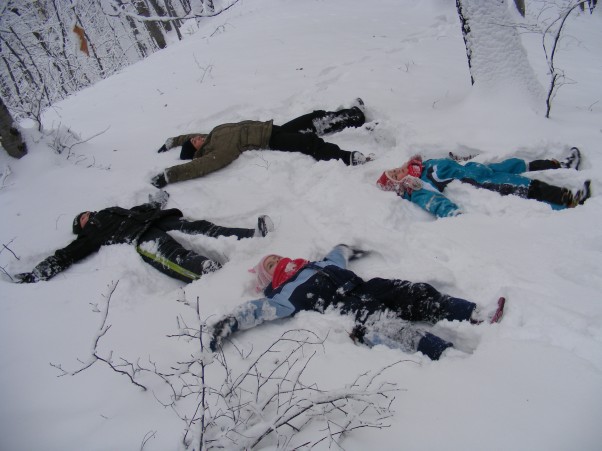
225	142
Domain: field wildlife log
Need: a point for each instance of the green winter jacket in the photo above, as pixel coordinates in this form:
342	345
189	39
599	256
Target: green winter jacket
223	145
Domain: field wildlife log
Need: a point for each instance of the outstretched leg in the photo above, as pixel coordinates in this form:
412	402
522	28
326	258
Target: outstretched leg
308	144
558	197
322	122
202	227
409	301
401	335
164	253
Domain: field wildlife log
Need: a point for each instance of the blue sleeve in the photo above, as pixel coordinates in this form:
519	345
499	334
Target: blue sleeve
338	256
253	313
435	203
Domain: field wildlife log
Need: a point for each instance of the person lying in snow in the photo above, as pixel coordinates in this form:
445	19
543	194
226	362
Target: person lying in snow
145	226
291	285
423	182
226	142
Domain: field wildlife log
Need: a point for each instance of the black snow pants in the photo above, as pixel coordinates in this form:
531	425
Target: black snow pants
163	252
408	301
303	134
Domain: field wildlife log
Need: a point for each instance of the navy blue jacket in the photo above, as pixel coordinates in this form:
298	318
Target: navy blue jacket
316	286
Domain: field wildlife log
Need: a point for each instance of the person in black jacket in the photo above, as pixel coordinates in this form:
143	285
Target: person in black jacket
145	226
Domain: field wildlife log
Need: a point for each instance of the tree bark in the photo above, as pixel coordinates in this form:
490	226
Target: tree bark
153	28
520	5
465	33
11	137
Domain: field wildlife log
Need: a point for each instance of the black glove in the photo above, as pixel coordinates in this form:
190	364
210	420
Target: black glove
159	180
162	149
357	334
222	329
26	277
354	252
358	253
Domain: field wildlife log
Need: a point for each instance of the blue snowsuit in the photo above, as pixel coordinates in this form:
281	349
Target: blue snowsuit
327	283
502	177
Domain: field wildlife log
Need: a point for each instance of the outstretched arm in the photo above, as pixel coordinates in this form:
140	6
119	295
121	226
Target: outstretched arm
249	315
61	260
342	254
434	202
176	141
208	163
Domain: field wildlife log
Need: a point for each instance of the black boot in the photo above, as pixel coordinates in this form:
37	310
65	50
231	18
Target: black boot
541	191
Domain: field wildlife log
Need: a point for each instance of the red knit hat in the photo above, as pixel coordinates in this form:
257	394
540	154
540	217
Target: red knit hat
387	183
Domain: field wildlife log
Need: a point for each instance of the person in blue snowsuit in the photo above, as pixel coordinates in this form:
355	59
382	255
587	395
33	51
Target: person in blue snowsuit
290	286
423	182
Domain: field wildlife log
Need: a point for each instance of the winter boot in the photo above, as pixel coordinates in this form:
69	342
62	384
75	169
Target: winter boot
543	192
433	346
359	103
460	158
265	225
491	315
573	160
580	196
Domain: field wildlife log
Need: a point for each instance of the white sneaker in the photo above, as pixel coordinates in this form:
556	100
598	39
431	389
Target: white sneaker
360	104
265	225
581	195
573	160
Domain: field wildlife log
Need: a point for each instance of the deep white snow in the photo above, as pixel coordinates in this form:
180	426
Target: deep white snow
533	382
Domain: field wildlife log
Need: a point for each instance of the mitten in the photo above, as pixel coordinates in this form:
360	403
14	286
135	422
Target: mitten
221	330
159	198
159	180
353	253
410	183
165	147
26	277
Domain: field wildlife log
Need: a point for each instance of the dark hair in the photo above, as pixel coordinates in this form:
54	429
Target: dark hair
188	151
77	228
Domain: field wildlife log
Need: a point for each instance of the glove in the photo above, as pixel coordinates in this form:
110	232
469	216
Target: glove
165	147
159	180
354	253
159	198
357	334
221	330
411	183
26	277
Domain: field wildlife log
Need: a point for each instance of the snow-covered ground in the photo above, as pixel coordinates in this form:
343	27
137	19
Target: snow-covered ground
533	382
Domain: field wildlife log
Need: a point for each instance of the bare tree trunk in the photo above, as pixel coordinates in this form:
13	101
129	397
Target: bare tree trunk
465	33
160	12
153	28
520	5
172	12
497	60
142	49
11	137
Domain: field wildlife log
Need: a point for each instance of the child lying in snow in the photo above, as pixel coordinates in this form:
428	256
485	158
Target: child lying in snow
294	285
423	182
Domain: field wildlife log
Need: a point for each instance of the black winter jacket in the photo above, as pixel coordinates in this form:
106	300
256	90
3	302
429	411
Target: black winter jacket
113	225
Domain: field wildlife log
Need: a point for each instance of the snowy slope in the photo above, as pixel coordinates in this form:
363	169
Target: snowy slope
533	382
